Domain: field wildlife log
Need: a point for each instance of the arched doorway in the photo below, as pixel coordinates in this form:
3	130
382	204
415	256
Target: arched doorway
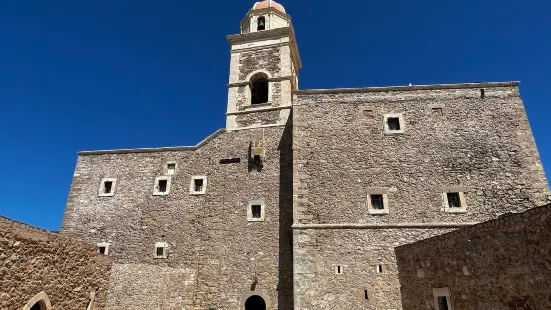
255	302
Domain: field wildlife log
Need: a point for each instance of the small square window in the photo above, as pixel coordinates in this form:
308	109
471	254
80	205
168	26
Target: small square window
103	248
107	187
198	185
255	212
393	123
377	202
162	186
160	250
170	168
453	201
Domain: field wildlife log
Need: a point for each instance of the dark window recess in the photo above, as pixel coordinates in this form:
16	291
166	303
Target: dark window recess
261	25
230	160
366	295
36	306
162	186
453	200
393	123
443	303
437	111
160	252
256	159
198	185
482	93
377	202
256	211
339	270
379	268
107	187
101	250
259	91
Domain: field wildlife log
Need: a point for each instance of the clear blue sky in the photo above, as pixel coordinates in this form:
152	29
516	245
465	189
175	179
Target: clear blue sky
107	74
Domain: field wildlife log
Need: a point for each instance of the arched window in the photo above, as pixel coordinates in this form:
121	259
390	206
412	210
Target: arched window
255	302
259	89
39	302
261	24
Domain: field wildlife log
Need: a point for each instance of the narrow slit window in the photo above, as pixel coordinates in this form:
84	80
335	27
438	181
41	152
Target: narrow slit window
366	295
454	200
339	269
482	94
393	123
171	168
379	268
163	184
256	211
377	202
107	187
198	185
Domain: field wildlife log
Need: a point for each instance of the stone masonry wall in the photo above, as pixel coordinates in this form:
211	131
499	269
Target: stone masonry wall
33	260
215	256
497	265
482	146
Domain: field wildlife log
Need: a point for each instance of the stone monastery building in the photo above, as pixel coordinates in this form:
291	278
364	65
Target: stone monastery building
300	202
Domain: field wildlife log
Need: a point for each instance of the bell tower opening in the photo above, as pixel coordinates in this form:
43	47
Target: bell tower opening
259	89
255	302
261	24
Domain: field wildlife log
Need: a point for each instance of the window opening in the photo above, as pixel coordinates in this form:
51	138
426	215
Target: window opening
453	200
198	185
101	250
366	296
379	268
482	94
437	111
443	303
377	202
107	187
393	123
171	168
259	91
160	251
256	211
261	24
163	186
36	306
234	160
339	269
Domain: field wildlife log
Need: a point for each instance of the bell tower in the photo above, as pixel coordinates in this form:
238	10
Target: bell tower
263	69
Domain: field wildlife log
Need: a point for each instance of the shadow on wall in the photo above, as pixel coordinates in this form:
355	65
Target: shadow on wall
285	284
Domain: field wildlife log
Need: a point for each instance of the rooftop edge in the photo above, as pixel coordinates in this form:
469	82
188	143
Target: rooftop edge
156	149
406	88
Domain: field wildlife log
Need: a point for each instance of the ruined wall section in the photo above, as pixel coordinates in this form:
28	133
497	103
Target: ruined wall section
33	260
499	264
482	145
214	253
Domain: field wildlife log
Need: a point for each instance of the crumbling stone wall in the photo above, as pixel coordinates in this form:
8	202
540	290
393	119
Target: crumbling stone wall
482	145
33	260
215	255
499	264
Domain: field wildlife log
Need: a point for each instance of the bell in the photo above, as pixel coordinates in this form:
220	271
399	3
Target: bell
261	24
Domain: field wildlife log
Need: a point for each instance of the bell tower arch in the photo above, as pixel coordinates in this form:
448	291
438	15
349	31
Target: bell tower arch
264	67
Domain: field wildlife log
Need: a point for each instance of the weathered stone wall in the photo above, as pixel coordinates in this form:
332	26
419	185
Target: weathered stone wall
497	265
483	146
215	255
33	260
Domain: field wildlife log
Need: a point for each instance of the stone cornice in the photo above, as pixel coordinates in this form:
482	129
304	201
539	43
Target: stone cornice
405	88
268	109
158	149
381	226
